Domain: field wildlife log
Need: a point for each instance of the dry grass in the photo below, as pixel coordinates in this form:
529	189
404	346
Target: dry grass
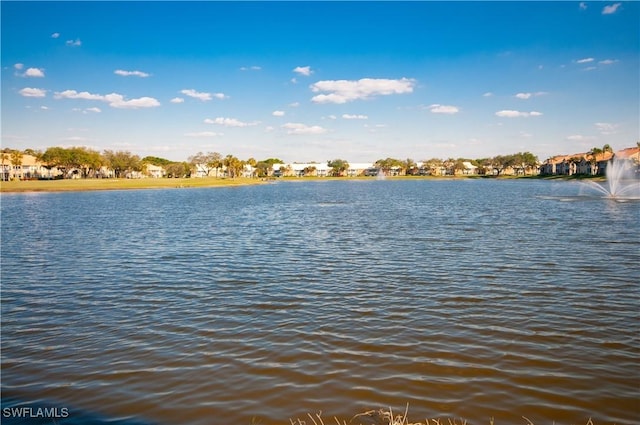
387	417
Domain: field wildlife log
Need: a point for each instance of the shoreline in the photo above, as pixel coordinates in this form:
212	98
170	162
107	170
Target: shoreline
81	185
84	185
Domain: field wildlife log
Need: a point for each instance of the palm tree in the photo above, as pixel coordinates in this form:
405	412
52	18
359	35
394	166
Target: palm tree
5	157
16	160
234	165
594	152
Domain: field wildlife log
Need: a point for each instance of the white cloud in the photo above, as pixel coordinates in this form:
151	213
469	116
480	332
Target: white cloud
585	60
230	122
487	94
606	128
177	100
354	117
529	95
18	66
506	113
443	109
72	94
87	110
578	138
250	68
303	70
203	134
294	104
278	113
117	101
298	128
44	108
74	43
32	92
33	72
131	73
608	10
55	35
343	91
608	61
203	96
75	139
114	100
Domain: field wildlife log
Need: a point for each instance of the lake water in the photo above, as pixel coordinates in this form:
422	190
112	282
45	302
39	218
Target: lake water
260	304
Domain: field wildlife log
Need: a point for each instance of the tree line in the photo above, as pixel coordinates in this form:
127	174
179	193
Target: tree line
89	163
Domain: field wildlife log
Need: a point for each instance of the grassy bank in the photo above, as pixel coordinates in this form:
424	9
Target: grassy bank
124	184
387	417
119	184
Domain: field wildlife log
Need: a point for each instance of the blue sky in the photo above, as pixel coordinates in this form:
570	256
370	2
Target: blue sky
312	81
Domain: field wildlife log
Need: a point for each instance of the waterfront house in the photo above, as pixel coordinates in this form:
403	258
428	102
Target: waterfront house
29	168
154	171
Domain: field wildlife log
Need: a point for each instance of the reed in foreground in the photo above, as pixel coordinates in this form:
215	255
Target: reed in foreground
386	417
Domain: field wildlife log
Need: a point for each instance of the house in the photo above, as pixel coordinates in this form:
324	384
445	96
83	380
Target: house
154	171
585	163
469	168
30	168
629	154
360	169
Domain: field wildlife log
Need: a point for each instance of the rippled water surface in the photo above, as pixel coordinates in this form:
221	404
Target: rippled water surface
472	299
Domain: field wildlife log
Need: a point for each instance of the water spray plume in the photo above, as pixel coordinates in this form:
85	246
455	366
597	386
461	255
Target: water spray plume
621	182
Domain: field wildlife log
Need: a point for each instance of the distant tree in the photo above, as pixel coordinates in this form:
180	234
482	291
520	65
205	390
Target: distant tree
387	164
58	157
199	161
309	170
5	158
16	161
32	152
593	158
154	160
432	166
234	166
214	159
410	167
458	166
177	170
449	165
499	163
523	161
484	165
338	166
86	160
122	162
262	169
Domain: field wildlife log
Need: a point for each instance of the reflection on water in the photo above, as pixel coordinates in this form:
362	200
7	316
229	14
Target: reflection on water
472	299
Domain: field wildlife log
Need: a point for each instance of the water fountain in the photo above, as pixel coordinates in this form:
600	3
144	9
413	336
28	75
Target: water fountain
380	175
621	181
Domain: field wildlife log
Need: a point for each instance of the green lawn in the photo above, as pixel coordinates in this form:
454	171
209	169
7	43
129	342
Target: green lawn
119	184
150	183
